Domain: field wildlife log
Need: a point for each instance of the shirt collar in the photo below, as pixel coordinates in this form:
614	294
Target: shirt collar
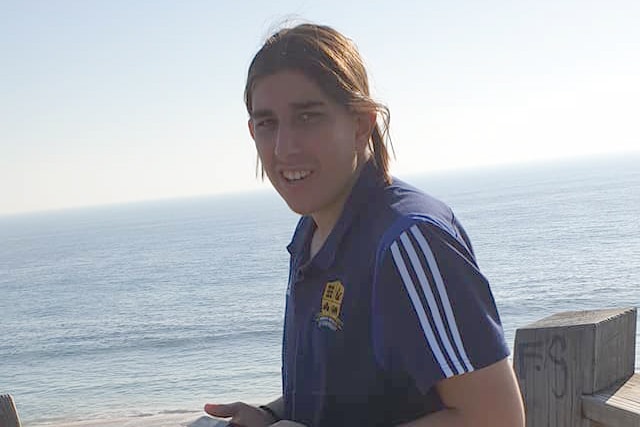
368	180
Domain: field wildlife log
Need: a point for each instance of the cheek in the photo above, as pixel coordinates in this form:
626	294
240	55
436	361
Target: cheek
263	150
334	138
341	146
344	137
267	161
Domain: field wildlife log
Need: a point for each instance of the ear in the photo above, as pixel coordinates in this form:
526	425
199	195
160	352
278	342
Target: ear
251	129
365	123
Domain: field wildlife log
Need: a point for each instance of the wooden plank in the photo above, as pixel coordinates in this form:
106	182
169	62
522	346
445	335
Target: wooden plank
577	318
8	412
615	352
565	356
617	406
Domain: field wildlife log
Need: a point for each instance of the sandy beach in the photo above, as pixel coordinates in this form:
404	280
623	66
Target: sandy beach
192	419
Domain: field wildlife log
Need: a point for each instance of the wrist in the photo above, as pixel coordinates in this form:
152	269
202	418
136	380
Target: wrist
270	413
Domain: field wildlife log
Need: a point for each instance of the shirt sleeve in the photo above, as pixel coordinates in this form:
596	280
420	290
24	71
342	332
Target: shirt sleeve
433	312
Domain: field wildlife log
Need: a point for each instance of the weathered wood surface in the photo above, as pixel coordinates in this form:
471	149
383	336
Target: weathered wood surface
8	412
565	356
617	406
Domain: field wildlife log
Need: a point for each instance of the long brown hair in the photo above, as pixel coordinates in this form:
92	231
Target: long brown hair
333	62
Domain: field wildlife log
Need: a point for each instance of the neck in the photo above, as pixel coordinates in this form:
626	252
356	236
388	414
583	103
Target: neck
325	222
326	219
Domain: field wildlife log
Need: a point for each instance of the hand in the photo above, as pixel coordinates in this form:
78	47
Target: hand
241	414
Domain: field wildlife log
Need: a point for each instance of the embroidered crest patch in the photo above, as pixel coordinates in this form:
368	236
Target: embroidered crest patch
329	315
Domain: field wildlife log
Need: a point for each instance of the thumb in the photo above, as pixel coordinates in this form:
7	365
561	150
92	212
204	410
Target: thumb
223	411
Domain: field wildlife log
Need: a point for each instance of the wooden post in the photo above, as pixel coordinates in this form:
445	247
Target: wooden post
8	412
562	357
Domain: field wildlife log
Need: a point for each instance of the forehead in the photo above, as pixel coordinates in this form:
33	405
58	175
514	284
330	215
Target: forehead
284	90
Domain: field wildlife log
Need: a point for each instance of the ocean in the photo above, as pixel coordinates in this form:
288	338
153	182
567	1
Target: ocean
155	308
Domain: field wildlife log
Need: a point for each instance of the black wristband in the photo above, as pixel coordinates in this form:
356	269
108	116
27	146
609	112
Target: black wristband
271	412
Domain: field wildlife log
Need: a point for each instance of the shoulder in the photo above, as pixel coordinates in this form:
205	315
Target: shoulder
400	211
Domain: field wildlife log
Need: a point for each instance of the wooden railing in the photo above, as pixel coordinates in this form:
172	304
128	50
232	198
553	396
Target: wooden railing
576	369
8	412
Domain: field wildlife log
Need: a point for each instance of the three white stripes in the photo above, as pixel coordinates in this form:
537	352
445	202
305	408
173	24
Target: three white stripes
434	311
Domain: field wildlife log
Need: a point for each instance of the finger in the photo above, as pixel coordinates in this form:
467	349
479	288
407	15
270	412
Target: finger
224	411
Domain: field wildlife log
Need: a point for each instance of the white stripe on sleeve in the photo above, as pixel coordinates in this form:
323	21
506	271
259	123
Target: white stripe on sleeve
431	301
417	305
446	304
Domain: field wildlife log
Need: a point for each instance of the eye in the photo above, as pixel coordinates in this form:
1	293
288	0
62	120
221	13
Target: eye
309	116
266	123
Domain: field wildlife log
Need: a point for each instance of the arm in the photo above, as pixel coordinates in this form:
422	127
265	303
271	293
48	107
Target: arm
247	415
428	286
276	411
487	397
276	408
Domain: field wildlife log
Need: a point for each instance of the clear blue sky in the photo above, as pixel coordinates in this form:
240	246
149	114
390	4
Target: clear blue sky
113	101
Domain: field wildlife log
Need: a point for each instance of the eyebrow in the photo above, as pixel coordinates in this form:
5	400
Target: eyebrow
303	105
306	104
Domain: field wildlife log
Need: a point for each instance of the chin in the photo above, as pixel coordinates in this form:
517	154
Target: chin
301	207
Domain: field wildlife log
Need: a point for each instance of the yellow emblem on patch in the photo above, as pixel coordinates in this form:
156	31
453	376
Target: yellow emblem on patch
329	315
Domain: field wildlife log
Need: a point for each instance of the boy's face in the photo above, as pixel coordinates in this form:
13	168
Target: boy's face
310	146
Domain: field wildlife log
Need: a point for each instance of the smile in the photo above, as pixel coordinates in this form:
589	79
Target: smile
292	176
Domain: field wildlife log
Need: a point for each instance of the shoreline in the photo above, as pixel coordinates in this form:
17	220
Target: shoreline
154	420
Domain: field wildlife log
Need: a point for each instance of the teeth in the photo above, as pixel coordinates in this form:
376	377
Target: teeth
295	175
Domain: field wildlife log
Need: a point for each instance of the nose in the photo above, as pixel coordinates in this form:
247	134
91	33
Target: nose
286	142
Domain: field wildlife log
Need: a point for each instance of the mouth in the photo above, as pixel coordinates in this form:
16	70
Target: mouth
292	176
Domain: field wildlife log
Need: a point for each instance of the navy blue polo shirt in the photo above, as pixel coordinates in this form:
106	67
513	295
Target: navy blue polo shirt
391	304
